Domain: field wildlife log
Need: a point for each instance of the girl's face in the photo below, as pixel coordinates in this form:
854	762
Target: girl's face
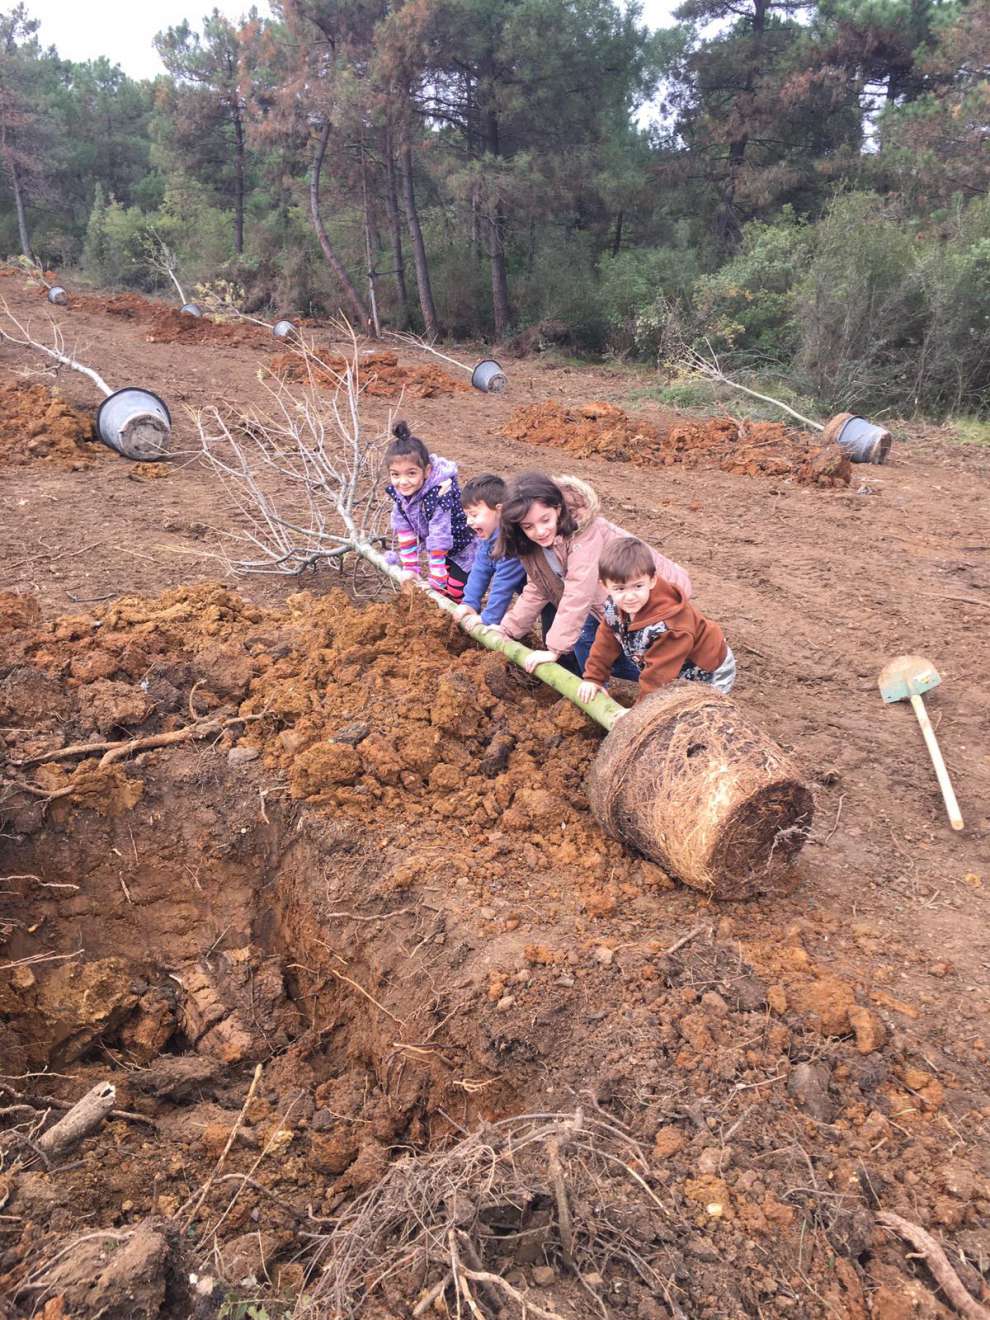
539	522
406	476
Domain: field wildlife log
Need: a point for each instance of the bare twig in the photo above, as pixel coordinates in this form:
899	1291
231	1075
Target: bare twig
370	998
702	366
937	1261
198	1200
56	353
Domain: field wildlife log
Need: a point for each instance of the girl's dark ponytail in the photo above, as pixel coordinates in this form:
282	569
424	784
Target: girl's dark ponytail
407	445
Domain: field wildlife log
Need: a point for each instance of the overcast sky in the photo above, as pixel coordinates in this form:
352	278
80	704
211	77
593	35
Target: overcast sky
123	29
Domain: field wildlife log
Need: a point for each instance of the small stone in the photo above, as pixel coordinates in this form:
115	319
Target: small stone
668	1141
808	1086
544	1276
487	913
505	1003
594	1280
604	955
870	1031
566	981
714	1159
238	756
351	734
126	1205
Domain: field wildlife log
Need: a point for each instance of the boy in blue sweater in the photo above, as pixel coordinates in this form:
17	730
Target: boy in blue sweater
482	500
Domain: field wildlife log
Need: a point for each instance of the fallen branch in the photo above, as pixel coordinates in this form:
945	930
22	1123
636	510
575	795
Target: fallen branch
56	353
710	368
85	1116
116	751
938	1263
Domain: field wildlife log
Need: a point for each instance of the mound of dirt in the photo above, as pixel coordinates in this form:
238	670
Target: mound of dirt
754	449
601	430
170	326
37	426
382	375
381	881
126	306
589	430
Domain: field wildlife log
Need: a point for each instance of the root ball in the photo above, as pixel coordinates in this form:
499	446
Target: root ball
687	781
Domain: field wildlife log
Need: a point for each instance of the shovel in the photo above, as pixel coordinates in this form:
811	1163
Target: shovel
909	676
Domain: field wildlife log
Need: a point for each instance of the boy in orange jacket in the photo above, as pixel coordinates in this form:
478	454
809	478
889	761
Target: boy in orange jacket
650	622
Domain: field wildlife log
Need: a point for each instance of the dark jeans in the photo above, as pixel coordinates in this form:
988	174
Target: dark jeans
575	661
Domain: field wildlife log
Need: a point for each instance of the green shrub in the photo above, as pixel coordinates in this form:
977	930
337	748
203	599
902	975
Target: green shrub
952	362
630	283
747	307
861	307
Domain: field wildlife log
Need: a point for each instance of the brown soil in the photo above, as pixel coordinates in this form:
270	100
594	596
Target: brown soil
389	892
382	374
601	430
37	426
169	326
126	306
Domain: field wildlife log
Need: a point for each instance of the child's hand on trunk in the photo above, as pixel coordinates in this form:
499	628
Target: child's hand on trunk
588	691
537	658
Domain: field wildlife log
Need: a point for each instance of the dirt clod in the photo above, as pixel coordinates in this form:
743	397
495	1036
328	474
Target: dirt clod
380	372
602	430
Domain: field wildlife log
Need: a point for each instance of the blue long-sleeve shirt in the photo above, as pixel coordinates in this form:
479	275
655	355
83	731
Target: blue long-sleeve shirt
501	578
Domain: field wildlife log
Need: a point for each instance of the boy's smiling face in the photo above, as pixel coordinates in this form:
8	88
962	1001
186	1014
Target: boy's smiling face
482	519
631	596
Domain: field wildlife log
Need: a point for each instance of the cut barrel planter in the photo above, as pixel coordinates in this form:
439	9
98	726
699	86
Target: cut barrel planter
686	780
488	377
58	295
283	329
190	309
136	423
860	440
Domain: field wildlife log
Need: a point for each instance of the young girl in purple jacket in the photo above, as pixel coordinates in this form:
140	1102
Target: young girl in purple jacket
427	514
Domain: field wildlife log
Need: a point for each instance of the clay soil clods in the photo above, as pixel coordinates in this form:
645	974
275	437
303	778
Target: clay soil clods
505	955
36	425
601	430
382	375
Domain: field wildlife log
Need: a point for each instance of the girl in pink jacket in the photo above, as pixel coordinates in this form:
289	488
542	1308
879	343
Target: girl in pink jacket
553	526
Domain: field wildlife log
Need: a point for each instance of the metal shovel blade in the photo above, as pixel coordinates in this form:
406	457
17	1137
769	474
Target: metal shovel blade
907	676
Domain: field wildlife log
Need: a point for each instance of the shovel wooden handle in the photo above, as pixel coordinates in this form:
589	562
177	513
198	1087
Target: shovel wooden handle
934	751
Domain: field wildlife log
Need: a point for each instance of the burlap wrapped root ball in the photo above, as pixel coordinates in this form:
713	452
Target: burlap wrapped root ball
686	780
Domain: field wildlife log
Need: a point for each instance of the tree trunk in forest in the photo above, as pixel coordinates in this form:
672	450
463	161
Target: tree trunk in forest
501	310
238	181
500	279
430	323
617	240
369	251
336	265
15	184
395	230
728	224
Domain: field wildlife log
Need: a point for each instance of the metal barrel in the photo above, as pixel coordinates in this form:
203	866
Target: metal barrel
58	295
283	329
488	377
190	309
136	423
860	440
